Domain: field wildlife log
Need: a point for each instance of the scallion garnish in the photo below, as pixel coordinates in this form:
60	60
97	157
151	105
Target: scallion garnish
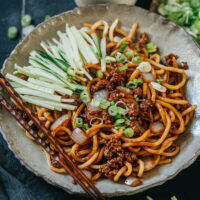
137	99
137	59
118	116
112	110
79	122
130	53
47	17
124	67
159	81
134	83
121	58
128	132
112	103
151	47
99	74
26	20
95	102
123	46
86	126
104	104
12	32
85	96
138	49
122	111
119	122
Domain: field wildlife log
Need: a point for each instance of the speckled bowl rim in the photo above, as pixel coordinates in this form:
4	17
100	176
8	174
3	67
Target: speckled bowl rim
23	162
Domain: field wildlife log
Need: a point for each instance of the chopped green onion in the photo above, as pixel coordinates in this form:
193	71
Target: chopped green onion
121	58
99	74
122	111
137	59
159	81
26	20
95	102
127	122
118	116
12	32
104	104
85	96
130	53
112	103
134	83
119	122
47	17
137	99
129	132
150	54
123	46
112	111
151	47
138	49
86	126
79	122
124	67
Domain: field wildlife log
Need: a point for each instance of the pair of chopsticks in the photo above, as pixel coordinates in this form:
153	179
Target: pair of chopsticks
65	161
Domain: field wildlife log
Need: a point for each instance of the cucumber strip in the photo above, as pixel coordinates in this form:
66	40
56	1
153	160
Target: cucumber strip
48	75
29	99
74	46
27	84
24	71
45	47
57	88
89	40
54	104
55	62
67	48
67	100
84	47
103	51
15	85
44	95
97	42
45	63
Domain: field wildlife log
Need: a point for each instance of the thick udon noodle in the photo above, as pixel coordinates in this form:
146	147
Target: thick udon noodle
151	150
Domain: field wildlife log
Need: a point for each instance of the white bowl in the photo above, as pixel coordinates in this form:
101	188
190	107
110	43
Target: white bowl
90	2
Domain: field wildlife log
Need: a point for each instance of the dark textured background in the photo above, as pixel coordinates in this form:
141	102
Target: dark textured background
16	182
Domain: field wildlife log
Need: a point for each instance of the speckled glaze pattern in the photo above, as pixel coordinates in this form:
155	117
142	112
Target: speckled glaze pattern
169	37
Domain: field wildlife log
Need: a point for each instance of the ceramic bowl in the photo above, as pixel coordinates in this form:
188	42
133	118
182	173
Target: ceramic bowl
169	37
90	2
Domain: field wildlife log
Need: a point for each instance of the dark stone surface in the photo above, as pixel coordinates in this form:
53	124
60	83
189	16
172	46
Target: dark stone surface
10	15
39	9
184	186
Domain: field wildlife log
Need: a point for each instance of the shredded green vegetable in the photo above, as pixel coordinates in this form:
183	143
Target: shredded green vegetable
186	13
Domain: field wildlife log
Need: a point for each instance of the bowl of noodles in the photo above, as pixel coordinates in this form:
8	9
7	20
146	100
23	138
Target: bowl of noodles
117	86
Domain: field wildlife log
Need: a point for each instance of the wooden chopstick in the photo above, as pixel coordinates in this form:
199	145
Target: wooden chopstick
40	141
79	174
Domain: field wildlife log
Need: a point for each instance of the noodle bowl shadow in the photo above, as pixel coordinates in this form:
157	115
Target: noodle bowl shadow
169	37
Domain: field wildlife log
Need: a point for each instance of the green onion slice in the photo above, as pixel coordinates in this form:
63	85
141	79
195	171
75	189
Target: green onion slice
124	67
134	83
121	58
123	46
26	20
12	32
137	59
85	96
112	110
130	53
128	132
79	122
